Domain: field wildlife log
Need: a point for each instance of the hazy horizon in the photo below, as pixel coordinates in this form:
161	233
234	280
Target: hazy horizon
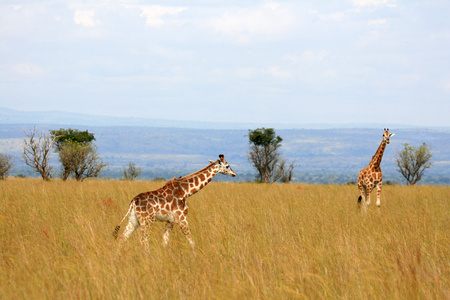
59	117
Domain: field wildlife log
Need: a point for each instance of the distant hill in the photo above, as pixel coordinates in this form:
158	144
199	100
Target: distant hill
321	155
10	116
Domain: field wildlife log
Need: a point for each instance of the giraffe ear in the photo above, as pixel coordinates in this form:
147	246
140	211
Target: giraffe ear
391	134
210	161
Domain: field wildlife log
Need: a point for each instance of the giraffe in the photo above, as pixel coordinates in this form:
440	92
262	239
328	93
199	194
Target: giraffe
168	204
371	176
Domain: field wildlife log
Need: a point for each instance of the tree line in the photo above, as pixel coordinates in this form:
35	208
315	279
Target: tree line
80	160
76	151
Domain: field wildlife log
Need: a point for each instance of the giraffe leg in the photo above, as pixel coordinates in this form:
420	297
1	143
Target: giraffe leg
369	189
187	233
169	227
362	197
379	185
146	226
365	197
131	226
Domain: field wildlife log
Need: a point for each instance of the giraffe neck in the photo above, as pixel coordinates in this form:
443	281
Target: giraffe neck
191	184
376	159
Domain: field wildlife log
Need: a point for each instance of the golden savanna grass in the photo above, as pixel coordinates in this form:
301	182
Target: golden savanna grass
253	241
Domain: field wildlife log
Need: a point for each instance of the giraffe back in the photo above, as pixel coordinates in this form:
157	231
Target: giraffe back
164	204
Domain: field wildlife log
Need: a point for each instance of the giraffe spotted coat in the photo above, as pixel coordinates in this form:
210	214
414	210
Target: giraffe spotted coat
371	176
168	204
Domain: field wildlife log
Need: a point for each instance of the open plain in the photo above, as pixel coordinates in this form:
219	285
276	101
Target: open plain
253	241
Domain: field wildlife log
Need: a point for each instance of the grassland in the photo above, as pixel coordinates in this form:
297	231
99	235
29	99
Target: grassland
253	241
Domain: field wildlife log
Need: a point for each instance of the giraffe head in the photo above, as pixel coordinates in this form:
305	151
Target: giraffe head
224	167
387	135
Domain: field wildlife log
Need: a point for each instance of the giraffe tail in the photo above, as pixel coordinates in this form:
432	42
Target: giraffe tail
359	199
116	230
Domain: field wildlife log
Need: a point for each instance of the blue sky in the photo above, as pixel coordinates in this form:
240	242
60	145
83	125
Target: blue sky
356	61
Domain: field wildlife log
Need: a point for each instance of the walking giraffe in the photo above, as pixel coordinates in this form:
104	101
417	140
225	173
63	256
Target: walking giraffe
371	176
168	204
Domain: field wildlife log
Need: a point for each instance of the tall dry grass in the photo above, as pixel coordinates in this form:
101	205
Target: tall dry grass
253	241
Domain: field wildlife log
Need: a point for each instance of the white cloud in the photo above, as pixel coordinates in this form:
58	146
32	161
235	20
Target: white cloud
276	72
292	58
154	14
375	3
307	56
16	7
272	5
27	70
370	38
446	85
313	57
330	73
242	24
246	73
377	22
170	53
336	16
85	18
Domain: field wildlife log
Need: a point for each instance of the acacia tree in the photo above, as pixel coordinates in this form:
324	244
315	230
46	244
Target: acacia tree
286	173
70	136
5	165
412	162
36	151
131	173
80	160
265	156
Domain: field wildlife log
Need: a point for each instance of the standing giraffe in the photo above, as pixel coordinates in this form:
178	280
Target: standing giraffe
168	204
371	176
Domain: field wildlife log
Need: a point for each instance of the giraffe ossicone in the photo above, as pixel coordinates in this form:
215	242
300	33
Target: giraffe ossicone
371	176
168	204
